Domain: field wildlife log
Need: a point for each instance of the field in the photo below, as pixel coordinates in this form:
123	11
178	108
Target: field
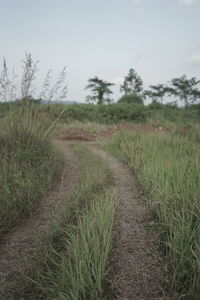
101	203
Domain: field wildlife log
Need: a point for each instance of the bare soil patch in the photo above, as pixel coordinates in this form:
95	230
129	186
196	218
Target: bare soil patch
19	245
136	269
76	134
79	134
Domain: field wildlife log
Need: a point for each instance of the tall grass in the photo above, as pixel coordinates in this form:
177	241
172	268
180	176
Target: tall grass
168	167
28	161
73	264
28	165
79	270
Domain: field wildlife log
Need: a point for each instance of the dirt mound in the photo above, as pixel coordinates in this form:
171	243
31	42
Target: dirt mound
76	134
125	126
79	134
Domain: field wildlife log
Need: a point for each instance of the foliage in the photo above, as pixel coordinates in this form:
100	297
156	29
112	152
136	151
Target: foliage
186	89
133	83
124	112
156	93
131	98
108	114
100	89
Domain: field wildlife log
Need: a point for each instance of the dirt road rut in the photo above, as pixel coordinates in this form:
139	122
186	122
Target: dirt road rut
20	244
136	268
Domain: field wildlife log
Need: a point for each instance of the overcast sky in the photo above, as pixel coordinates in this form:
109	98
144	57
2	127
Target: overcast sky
160	39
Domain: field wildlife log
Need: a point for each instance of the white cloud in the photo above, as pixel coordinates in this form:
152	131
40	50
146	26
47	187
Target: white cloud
186	2
195	59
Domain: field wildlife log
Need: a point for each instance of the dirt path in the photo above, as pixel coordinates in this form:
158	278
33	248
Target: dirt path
136	268
20	244
135	265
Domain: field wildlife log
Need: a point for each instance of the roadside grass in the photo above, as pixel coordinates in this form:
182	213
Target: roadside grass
73	260
28	164
168	167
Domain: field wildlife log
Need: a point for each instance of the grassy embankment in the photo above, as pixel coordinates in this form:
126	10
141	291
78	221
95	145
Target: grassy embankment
168	167
73	262
28	162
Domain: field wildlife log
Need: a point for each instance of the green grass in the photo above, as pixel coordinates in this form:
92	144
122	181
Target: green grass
74	261
168	167
113	113
28	165
130	112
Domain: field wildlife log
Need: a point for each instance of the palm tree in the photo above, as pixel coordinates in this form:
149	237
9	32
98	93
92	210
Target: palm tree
99	88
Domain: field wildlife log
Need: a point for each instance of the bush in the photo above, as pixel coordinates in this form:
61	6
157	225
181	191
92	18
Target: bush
108	114
131	98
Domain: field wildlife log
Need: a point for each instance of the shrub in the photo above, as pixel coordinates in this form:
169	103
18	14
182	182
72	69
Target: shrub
131	98
109	114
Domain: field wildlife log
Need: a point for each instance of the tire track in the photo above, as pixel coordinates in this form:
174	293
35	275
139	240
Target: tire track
21	243
136	269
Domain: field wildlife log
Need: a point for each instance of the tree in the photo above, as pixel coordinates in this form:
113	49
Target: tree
133	83
157	92
186	89
100	89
